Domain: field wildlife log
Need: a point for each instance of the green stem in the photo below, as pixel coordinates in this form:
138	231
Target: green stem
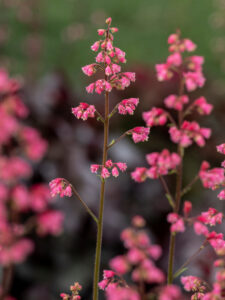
191	258
101	207
84	204
178	195
6	281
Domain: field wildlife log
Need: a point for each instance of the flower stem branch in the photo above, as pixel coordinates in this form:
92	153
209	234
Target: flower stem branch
113	111
189	186
168	193
82	202
100	117
178	272
117	140
6	281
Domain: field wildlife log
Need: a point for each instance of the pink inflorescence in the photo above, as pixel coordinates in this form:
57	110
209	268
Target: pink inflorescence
60	186
84	111
191	66
127	106
189	132
75	290
108	59
139	134
20	206
160	164
140	255
155	116
110	168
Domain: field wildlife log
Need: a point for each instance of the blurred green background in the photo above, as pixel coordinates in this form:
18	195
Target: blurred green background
58	34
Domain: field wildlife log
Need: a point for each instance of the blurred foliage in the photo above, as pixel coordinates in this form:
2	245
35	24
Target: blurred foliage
61	32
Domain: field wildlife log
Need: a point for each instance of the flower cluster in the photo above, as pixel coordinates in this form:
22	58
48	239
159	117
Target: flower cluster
194	284
127	106
109	168
139	257
139	134
60	186
191	66
23	208
75	290
139	261
84	111
189	132
161	164
108	59
154	117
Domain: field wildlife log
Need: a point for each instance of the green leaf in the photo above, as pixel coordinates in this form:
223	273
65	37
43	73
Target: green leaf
112	142
169	198
179	272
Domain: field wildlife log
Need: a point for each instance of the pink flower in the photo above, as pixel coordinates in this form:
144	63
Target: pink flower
190	131
61	187
90	88
139	174
138	221
16	252
211	217
40	195
50	222
173	38
191	283
122	166
221	148
120	55
127	106
154	117
115	172
163	72
84	111
187	208
107	274
189	45
211	178
119	264
105	173
194	80
102	85
103	284
221	195
121	293
202	106
21	198
130	75
116	68
95	46
174	59
200	229
195	63
176	102
89	70
161	163
170	292
139	134
108	71
14	168
177	222
101	31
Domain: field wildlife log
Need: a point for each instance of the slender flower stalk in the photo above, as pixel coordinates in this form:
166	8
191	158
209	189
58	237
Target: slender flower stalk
178	193
183	133
107	61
